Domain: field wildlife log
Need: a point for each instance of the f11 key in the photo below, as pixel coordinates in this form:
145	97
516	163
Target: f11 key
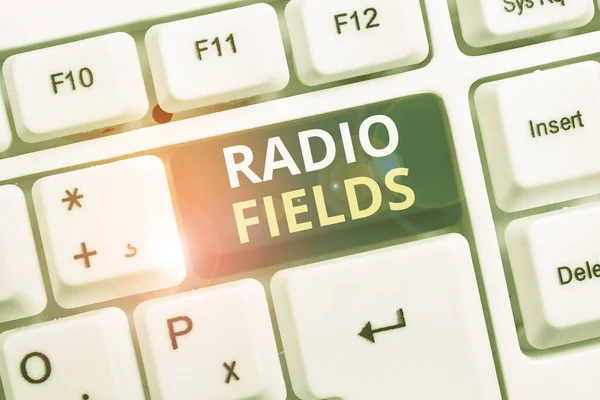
312	187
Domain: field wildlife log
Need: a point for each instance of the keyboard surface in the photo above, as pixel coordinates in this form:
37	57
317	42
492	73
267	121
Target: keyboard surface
298	199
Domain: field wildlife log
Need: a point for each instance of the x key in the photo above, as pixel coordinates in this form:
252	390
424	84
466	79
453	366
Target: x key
230	372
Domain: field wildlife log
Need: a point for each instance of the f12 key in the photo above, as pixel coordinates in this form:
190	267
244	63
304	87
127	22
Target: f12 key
340	39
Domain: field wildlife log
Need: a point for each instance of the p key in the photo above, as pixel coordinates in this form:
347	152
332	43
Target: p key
214	343
76	87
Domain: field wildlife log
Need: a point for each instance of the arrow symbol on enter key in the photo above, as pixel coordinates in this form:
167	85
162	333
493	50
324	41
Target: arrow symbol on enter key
368	332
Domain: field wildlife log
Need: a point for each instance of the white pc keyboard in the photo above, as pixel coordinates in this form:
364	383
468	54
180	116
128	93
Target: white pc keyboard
299	199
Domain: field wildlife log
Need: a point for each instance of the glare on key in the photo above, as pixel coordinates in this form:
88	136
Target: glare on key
316	186
109	231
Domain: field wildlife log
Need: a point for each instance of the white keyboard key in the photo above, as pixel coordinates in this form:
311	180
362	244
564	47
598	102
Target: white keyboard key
109	231
485	23
339	39
32	22
217	58
6	137
399	323
22	291
84	357
75	87
215	343
555	261
540	133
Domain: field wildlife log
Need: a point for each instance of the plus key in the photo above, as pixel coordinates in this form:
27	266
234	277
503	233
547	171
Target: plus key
120	237
85	255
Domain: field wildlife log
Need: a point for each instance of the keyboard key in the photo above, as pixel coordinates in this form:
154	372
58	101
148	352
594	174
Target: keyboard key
540	135
109	231
75	87
400	323
32	22
217	58
555	261
22	291
5	131
486	23
280	194
340	39
84	357
214	343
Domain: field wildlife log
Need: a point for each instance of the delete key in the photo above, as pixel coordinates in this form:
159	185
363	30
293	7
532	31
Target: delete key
555	262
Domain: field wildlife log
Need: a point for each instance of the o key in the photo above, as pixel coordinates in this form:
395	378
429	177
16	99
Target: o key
84	357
